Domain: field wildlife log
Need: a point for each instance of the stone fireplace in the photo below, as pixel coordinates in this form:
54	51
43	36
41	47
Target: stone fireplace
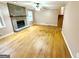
18	16
19	24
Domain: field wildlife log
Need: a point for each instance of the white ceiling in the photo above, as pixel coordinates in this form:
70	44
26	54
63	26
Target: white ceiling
46	4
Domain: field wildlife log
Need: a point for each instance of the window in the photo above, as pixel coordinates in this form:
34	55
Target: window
2	24
29	16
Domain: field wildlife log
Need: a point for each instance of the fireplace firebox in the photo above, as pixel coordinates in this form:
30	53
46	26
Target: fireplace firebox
20	23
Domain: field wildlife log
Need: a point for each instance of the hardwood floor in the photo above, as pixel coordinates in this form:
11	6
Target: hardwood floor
36	41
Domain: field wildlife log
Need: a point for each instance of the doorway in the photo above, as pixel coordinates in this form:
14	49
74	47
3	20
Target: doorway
60	21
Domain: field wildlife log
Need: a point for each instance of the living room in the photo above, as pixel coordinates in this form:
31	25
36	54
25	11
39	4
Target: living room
45	29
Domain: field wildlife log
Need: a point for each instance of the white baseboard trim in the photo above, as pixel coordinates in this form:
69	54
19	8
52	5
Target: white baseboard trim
67	44
6	35
45	24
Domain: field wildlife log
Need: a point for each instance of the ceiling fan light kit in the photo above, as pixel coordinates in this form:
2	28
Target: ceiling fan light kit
37	6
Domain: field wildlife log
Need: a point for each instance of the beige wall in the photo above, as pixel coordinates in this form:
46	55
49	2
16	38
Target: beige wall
46	17
8	29
71	26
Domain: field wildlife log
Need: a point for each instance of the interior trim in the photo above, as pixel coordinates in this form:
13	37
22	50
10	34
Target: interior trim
67	44
45	24
6	35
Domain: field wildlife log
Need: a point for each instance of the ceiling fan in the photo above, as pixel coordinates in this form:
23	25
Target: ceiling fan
37	6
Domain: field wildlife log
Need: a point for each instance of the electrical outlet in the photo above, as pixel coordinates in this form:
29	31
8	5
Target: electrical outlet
77	55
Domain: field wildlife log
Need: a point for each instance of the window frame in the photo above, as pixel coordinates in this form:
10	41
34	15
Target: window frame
2	21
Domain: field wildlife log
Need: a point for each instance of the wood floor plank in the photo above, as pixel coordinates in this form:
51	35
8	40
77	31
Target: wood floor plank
35	41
